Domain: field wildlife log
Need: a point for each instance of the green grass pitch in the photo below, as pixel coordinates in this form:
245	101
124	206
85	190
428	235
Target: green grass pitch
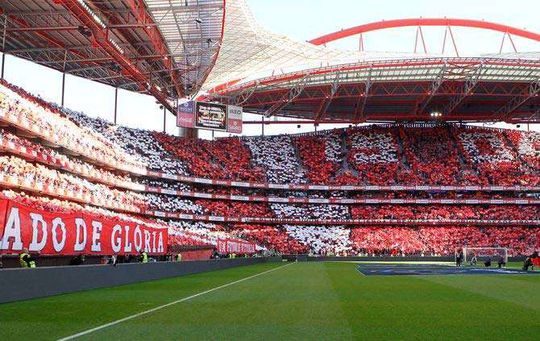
307	301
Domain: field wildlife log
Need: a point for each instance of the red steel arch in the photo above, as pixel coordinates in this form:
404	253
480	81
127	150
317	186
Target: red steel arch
385	24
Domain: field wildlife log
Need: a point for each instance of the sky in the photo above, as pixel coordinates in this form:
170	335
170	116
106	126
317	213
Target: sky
301	20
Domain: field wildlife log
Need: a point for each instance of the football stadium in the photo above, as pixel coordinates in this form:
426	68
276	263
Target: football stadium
269	169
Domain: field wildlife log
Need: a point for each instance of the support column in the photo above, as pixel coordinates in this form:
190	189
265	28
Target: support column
262	126
4	45
63	88
115	105
164	119
64	77
3	63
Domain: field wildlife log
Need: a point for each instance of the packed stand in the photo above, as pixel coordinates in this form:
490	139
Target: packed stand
321	156
446	212
494	159
277	156
311	211
46	118
51	157
527	145
322	240
138	143
424	148
272	237
441	241
374	155
225	159
19	172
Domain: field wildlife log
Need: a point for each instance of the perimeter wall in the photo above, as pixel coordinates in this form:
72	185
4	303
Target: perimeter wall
22	284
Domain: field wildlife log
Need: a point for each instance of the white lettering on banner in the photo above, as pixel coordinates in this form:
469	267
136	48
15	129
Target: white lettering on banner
137	235
127	242
96	236
80	225
116	241
58	245
153	241
146	241
37	219
160	243
13	230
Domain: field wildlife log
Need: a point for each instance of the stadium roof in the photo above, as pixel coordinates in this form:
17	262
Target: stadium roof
215	48
164	48
250	52
275	76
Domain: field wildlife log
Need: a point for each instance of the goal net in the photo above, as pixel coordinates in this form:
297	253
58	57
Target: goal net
478	256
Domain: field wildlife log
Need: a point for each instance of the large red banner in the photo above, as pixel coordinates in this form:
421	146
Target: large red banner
235	246
56	233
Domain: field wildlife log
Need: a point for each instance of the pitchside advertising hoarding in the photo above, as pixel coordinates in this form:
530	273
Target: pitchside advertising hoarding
211	116
237	246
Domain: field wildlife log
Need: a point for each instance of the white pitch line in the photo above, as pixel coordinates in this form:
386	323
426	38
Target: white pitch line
86	332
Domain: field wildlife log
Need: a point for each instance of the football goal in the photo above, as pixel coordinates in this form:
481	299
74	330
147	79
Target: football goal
482	256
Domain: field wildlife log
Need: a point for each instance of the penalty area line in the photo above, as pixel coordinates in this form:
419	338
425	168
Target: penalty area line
146	312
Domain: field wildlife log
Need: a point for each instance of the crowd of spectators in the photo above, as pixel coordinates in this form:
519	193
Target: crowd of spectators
138	143
277	156
439	241
321	156
527	145
392	241
447	212
323	240
227	208
273	238
425	148
374	155
226	159
55	159
170	203
39	115
311	211
202	233
19	172
495	161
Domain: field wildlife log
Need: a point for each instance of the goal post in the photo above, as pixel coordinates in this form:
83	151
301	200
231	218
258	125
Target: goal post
480	255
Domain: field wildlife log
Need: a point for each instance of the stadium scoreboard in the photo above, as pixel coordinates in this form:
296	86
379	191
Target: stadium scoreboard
210	116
